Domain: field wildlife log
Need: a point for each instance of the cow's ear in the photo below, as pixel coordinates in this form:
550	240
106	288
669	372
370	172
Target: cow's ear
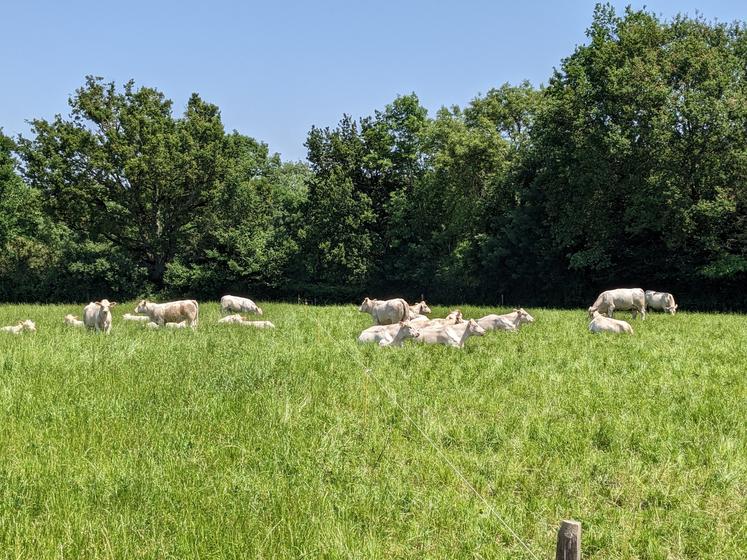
97	303
112	304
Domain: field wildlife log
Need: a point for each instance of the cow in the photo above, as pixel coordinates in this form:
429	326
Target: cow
27	325
139	318
238	304
388	334
97	315
73	321
171	312
229	319
600	323
151	325
386	312
661	301
257	324
508	322
632	299
179	325
420	308
450	335
453	318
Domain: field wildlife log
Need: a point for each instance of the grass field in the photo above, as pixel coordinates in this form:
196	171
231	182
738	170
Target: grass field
239	443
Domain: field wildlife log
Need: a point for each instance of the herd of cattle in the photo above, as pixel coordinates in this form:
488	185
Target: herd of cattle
394	319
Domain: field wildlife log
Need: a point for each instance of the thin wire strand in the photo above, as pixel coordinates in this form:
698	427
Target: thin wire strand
393	398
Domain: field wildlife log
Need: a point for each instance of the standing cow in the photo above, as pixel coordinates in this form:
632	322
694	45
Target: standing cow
386	312
623	299
97	315
239	305
661	301
171	312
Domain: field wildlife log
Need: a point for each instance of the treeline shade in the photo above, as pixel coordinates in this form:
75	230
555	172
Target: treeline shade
628	168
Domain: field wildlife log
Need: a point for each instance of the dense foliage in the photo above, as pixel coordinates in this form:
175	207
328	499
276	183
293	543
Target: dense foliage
628	168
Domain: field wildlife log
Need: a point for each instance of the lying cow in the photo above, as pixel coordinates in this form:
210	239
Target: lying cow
231	319
451	335
386	312
179	325
257	324
238	304
661	301
171	312
453	318
420	308
73	321
623	299
138	318
600	323
97	315
388	335
508	322
27	325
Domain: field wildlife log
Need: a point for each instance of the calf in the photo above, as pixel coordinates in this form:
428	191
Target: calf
600	323
97	315
73	321
27	325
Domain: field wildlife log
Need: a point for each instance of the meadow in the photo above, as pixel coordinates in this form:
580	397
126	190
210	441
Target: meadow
231	442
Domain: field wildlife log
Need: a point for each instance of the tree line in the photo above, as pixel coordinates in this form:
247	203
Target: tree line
628	168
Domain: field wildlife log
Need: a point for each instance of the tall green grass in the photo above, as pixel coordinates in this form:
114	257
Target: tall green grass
230	442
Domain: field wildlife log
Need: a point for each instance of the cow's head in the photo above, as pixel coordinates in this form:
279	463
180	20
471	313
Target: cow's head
456	316
365	306
28	325
474	328
105	308
423	308
259	310
141	307
672	309
523	316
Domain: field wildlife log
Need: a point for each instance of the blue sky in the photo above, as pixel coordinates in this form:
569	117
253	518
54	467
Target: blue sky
277	68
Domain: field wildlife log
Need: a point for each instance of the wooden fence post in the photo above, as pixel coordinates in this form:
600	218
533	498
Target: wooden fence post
569	541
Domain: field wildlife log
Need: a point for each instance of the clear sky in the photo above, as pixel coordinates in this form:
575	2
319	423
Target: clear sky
277	68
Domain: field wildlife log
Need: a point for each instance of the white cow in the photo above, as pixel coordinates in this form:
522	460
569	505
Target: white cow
508	322
386	312
257	324
230	319
600	323
238	304
73	321
98	315
453	318
151	325
661	301
388	335
451	335
27	325
179	325
632	299
420	308
171	312
138	318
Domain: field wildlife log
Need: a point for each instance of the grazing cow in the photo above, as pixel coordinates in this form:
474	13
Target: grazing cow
419	309
238	304
600	323
388	335
98	315
508	322
27	325
179	325
453	318
661	301
451	335
73	321
171	312
623	299
386	312
139	318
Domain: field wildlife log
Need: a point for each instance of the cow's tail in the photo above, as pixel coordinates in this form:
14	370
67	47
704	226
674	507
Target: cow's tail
405	311
197	314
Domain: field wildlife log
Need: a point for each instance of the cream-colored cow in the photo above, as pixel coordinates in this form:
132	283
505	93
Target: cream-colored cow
600	324
386	312
508	322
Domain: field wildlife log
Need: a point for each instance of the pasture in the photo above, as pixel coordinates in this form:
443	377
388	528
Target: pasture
231	442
